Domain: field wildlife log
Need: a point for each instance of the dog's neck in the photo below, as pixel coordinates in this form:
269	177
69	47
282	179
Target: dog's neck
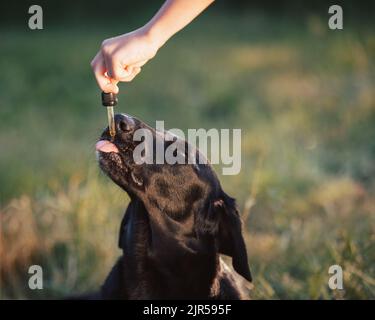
158	248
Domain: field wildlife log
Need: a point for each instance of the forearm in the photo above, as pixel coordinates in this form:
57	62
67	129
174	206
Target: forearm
172	17
121	58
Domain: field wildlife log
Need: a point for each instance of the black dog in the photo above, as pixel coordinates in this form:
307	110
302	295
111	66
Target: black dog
178	222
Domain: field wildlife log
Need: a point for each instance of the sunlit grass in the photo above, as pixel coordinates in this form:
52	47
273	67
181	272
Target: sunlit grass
303	97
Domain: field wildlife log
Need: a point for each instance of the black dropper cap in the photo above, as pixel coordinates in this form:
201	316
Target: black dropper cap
109	99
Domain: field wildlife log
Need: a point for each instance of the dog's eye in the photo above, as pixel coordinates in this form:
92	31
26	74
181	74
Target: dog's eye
124	126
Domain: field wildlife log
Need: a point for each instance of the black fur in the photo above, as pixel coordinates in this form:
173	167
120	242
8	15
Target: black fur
178	222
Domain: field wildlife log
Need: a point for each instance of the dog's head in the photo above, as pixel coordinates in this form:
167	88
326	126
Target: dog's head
184	199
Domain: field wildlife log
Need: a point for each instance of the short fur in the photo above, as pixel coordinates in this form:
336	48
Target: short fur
176	225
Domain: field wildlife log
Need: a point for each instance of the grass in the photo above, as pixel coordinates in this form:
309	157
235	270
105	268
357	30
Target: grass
305	101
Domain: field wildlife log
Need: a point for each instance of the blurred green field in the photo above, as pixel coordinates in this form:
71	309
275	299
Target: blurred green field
303	96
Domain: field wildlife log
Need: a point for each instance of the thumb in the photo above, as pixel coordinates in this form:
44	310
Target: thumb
111	85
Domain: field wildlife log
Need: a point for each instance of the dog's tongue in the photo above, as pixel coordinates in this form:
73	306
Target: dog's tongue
106	146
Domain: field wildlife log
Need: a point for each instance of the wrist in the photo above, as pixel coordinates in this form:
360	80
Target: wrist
155	35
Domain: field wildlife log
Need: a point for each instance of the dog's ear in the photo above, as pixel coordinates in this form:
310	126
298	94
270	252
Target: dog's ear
124	234
221	220
230	237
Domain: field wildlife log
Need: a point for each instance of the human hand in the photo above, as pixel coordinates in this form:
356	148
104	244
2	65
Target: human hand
121	58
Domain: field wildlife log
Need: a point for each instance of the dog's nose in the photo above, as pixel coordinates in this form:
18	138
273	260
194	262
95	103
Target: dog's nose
124	123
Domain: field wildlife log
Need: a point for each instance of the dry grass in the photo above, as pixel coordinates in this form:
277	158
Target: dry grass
303	97
67	232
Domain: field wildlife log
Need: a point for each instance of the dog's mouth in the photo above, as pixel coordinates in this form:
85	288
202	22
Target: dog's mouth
106	146
115	160
111	159
115	156
124	158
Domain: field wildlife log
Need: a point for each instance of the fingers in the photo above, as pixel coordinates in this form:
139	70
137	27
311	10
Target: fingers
108	72
105	83
114	68
133	73
140	63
